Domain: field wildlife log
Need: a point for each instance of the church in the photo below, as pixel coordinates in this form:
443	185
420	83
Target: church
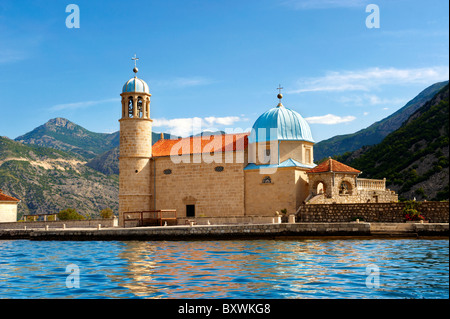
230	178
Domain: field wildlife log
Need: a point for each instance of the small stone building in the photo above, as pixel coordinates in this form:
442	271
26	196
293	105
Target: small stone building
8	208
230	178
334	182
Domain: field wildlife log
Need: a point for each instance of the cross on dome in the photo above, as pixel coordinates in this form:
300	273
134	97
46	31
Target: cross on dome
135	70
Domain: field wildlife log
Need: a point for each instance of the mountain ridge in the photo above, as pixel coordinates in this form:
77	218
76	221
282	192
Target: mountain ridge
415	157
375	133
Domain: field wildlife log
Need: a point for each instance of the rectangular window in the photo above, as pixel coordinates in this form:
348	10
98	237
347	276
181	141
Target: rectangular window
308	156
190	210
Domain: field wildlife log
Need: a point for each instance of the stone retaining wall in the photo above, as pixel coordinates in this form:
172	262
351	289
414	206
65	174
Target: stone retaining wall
434	212
193	232
216	232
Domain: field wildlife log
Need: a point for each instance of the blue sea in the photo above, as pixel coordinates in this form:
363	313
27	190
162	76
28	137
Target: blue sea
237	269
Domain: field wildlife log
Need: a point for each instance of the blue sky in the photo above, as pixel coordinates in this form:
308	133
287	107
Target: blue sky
218	62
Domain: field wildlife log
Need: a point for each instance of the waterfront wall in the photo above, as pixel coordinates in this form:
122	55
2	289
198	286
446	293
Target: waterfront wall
434	212
90	223
218	232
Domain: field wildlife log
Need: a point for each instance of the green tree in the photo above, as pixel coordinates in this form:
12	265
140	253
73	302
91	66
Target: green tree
106	213
70	214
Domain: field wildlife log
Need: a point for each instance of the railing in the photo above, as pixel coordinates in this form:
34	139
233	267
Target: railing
36	217
371	184
151	218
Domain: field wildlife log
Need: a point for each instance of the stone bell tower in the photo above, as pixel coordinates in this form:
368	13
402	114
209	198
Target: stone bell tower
135	148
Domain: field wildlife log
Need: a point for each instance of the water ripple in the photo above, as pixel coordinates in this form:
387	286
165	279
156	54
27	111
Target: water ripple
405	268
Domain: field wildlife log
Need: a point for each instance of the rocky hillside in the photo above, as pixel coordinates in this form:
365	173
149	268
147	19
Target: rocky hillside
61	134
415	157
48	180
375	133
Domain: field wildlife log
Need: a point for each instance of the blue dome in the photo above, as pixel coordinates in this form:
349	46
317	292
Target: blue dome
135	85
282	124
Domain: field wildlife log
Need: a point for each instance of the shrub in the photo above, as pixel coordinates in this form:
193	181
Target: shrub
106	213
70	214
410	211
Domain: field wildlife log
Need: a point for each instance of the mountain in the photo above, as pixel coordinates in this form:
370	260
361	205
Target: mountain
375	133
108	162
415	157
47	180
61	134
100	150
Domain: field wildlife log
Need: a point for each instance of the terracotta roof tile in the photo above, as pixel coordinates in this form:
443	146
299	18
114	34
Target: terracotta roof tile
199	145
331	165
7	198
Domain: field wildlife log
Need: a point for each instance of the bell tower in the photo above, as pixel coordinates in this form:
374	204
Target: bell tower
135	147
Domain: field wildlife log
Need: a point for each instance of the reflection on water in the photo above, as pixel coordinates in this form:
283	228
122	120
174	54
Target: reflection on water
408	268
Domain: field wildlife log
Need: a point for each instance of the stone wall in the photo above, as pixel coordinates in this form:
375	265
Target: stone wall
90	223
216	188
361	196
265	199
134	165
215	232
434	212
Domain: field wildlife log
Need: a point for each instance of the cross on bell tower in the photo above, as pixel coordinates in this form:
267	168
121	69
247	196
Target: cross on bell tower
279	96
135	70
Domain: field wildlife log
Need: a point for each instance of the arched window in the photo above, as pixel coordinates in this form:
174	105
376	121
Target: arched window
267	180
321	188
345	188
140	107
130	107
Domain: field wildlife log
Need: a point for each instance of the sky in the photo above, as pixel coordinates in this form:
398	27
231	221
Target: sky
343	65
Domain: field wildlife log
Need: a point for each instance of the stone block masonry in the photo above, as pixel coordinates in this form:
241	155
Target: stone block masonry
232	232
434	212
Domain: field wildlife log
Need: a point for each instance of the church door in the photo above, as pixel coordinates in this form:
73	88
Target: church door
190	210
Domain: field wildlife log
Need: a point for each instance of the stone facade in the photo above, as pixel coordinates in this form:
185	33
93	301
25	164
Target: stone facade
344	187
135	153
434	212
214	189
286	190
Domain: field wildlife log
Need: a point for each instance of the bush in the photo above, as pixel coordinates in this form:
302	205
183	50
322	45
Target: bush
70	214
107	213
411	212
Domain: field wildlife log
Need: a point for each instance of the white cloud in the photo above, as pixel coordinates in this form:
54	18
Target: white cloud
370	99
194	125
79	105
367	79
330	119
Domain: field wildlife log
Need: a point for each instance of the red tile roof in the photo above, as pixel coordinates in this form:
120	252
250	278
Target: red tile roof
199	145
331	165
7	198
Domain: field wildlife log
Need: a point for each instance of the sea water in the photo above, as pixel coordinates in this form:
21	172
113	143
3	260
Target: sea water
263	269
